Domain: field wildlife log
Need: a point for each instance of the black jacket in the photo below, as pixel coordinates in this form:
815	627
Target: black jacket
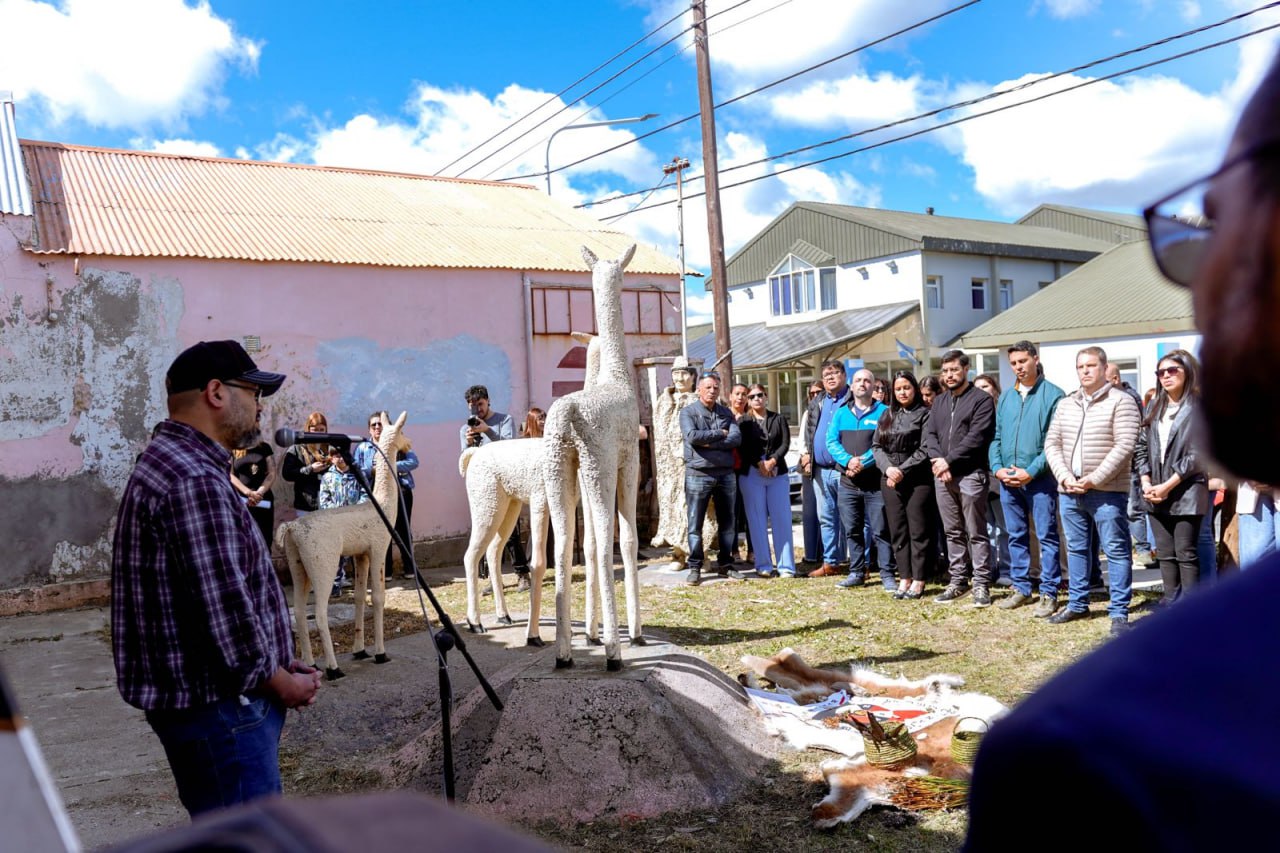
771	442
960	429
1189	497
710	435
306	483
815	413
900	443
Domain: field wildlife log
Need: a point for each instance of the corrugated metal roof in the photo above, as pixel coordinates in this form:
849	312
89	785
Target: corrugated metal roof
97	201
813	254
1118	294
15	194
1100	224
862	233
759	345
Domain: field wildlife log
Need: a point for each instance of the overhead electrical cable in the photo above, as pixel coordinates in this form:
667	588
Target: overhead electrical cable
756	91
951	123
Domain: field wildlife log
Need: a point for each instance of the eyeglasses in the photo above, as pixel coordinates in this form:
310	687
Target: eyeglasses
1168	371
755	396
256	389
375	425
1178	230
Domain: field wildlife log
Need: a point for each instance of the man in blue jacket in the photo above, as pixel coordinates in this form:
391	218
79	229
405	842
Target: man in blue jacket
1029	493
710	435
826	475
860	500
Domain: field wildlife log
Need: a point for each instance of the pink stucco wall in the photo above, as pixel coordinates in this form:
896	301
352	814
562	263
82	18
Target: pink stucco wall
80	394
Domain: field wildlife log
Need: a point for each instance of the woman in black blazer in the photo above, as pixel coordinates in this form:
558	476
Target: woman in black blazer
763	483
906	481
1174	487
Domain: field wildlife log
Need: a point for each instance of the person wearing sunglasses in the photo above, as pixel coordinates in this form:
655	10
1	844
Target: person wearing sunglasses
1174	485
1128	725
765	490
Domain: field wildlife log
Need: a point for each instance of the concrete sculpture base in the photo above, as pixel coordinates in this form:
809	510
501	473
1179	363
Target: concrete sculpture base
668	732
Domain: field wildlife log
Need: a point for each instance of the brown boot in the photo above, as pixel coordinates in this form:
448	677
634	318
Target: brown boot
826	570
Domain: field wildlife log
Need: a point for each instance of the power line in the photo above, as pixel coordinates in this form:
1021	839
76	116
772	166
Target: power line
977	100
601	103
586	76
953	122
585	94
756	91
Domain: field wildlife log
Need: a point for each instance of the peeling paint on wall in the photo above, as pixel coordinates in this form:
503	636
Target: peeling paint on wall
78	399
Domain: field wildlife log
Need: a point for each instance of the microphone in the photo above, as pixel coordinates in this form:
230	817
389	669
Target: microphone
287	437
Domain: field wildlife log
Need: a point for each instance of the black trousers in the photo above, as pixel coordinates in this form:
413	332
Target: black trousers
911	515
1176	537
403	516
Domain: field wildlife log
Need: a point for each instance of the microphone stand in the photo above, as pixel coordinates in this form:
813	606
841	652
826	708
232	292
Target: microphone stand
443	640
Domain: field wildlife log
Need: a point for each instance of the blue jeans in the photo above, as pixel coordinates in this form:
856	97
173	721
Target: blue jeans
1259	531
768	504
1036	502
224	753
1107	511
699	488
826	493
862	509
1207	548
809	520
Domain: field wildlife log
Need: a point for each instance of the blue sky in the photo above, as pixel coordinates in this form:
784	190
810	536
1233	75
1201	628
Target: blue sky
414	86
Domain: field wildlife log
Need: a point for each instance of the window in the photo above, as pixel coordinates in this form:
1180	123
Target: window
795	286
1045	284
828	285
1006	294
933	291
978	293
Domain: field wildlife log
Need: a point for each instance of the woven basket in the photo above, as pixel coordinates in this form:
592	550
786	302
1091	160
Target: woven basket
896	750
965	743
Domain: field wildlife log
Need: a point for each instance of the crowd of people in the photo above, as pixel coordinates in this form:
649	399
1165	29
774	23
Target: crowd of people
901	478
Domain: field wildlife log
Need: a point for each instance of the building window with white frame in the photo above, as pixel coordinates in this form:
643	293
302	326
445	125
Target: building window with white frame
794	288
978	293
1006	294
933	291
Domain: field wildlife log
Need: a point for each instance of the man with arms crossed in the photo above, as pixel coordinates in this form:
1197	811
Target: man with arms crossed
200	629
1030	493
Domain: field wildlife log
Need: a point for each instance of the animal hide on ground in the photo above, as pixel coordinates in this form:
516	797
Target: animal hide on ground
854	784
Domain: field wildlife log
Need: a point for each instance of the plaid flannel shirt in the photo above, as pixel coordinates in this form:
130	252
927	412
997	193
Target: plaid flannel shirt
197	614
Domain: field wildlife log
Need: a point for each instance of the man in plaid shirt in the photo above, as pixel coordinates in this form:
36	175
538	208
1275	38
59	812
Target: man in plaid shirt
201	633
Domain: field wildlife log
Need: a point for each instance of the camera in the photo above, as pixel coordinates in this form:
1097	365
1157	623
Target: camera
474	440
473	421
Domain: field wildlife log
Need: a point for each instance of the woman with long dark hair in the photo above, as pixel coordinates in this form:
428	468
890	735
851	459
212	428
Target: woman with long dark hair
1173	484
907	483
763	484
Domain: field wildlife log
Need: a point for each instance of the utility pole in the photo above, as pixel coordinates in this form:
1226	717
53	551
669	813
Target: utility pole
678	165
711	176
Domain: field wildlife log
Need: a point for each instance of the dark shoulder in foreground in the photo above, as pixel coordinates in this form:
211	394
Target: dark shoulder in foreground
1169	731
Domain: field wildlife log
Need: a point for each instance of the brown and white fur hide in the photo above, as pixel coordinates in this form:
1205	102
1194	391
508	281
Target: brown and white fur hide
854	784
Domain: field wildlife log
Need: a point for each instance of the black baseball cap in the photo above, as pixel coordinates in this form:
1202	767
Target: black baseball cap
222	360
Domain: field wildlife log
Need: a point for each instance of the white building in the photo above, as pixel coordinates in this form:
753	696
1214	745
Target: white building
888	289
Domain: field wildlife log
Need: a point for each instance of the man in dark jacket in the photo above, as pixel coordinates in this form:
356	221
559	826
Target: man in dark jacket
1030	493
710	435
961	425
1129	723
826	473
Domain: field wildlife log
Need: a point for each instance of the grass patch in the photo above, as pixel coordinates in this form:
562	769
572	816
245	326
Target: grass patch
1006	654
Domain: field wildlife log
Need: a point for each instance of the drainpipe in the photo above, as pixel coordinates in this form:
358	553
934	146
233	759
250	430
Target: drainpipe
528	341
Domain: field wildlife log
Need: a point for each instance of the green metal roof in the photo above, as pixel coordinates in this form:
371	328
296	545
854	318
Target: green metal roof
1118	294
1099	224
848	234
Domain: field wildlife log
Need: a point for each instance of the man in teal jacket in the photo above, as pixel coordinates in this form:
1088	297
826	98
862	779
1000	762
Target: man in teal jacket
1030	493
860	502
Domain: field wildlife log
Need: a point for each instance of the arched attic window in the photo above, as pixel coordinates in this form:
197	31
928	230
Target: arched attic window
797	286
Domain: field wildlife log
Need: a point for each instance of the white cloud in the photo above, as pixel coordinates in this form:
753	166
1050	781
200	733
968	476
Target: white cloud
697	304
1113	143
1189	10
858	100
1069	8
119	64
187	147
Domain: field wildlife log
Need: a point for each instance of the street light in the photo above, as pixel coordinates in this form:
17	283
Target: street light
632	120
